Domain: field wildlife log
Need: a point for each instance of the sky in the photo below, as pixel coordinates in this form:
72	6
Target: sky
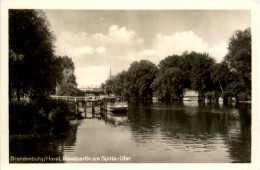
100	40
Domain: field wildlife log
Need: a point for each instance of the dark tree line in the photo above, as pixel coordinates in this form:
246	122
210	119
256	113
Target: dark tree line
34	69
136	82
230	79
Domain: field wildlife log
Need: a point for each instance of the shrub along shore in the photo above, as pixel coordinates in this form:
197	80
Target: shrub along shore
41	116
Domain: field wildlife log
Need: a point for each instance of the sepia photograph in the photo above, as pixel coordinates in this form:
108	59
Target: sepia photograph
97	86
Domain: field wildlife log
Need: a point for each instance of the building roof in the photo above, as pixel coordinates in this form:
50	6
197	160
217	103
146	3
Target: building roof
190	93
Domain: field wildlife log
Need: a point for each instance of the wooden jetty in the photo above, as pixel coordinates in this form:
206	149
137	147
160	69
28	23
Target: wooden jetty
85	102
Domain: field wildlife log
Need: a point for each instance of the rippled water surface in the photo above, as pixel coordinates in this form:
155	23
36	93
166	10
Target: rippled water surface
151	132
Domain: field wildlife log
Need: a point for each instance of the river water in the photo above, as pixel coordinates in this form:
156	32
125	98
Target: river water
150	132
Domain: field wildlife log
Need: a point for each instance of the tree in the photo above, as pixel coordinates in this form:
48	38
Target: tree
201	69
220	76
135	82
170	80
120	84
30	37
174	61
68	85
194	70
239	58
141	75
169	84
15	66
109	85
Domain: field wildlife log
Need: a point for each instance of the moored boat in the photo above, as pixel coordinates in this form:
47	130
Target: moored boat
115	104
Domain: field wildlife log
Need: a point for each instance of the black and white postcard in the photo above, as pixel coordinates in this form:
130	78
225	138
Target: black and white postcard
129	85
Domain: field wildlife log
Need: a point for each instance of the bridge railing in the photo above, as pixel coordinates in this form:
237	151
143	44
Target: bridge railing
75	99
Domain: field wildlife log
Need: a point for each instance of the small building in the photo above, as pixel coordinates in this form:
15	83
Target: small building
190	95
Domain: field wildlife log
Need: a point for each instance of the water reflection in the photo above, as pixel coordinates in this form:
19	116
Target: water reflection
49	147
202	127
155	132
116	119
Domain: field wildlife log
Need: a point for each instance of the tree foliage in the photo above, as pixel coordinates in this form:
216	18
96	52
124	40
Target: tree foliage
234	73
136	82
120	84
239	57
68	85
190	70
31	50
15	67
141	75
221	76
170	80
169	85
201	69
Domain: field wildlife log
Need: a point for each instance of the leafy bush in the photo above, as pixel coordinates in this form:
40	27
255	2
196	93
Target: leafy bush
58	115
26	118
39	116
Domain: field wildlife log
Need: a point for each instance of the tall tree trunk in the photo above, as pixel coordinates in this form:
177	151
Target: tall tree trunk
220	86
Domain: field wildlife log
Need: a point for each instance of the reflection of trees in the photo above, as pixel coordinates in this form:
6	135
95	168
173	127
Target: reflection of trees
67	140
190	125
141	120
142	117
240	142
41	146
